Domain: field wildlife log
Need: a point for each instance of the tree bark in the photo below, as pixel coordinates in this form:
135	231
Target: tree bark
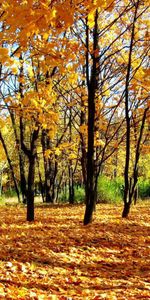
90	185
11	166
31	154
45	141
30	191
71	185
127	197
23	182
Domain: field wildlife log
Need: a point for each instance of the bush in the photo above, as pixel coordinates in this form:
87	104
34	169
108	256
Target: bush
10	193
109	191
144	189
79	194
78	198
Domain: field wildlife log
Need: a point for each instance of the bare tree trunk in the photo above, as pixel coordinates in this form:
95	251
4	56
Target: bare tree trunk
70	167
92	87
23	182
83	146
30	191
40	178
127	197
11	166
31	154
45	141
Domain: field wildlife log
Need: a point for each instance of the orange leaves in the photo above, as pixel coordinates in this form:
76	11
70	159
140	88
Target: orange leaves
3	52
56	257
83	129
98	5
4	57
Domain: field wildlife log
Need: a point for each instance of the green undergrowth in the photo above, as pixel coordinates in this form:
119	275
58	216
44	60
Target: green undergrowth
144	188
109	190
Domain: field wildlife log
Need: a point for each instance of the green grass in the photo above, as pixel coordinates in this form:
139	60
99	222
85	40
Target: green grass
78	198
144	189
109	191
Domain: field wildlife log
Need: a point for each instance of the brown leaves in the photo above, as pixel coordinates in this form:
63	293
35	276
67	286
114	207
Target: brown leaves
57	257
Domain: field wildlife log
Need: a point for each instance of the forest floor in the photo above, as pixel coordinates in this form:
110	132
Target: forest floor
56	257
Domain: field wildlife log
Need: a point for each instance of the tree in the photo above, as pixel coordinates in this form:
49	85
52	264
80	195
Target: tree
92	85
10	165
130	183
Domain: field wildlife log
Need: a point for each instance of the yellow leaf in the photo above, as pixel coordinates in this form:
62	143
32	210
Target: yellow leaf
30	71
91	18
14	70
72	156
83	128
57	151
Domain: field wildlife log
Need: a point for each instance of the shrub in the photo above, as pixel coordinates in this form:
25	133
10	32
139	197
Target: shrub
78	197
10	193
109	191
79	194
144	189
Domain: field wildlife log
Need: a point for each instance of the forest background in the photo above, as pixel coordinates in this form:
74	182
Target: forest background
74	127
74	102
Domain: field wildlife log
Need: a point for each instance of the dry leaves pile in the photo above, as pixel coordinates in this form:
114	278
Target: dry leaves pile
56	257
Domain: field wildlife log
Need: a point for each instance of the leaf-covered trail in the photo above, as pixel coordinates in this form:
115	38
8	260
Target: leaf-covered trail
56	257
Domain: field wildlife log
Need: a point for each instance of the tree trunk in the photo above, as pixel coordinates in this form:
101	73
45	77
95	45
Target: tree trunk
40	178
127	184
54	181
45	141
31	154
71	186
30	191
10	165
20	154
83	143
1	179
70	166
126	209
90	184
23	182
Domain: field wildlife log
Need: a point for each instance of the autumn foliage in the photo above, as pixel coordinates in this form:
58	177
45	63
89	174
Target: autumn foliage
56	257
74	109
74	97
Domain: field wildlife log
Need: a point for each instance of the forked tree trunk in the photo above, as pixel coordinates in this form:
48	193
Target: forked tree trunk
31	154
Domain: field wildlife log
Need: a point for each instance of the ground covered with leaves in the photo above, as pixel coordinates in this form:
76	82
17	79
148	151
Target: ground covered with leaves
56	257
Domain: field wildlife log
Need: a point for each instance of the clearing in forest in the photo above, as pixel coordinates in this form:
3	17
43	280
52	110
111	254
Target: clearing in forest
56	257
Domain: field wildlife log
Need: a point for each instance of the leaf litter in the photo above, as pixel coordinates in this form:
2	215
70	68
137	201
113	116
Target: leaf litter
58	258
